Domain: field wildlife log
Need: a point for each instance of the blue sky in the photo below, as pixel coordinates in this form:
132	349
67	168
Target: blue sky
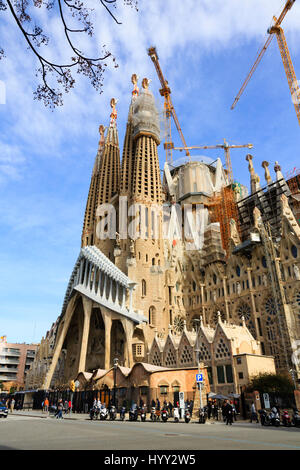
206	49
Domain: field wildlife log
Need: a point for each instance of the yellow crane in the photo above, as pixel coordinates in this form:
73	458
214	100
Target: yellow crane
226	148
285	56
169	110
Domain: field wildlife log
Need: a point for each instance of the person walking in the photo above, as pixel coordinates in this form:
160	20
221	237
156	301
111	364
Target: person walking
254	415
209	409
46	405
66	407
228	412
59	412
170	406
12	404
233	410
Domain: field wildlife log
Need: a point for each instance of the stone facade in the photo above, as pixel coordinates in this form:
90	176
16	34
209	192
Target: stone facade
190	245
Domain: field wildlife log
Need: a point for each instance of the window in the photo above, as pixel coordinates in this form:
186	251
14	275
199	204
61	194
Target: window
229	375
210	375
241	375
294	251
220	374
144	390
239	360
144	288
176	388
163	389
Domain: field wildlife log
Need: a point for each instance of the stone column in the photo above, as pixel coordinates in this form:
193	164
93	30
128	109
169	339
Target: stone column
225	297
128	328
67	319
249	271
108	323
87	308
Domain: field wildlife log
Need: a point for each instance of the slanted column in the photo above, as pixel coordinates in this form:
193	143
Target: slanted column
108	323
98	287
116	302
128	328
85	272
123	301
87	308
104	286
67	319
110	290
90	275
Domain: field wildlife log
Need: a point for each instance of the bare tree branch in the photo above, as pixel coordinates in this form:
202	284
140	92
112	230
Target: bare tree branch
92	68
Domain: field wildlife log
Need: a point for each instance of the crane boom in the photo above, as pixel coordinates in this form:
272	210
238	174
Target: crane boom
168	106
285	56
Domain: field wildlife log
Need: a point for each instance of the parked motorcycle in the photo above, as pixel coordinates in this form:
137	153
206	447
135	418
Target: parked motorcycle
143	414
296	418
274	418
264	418
164	415
103	413
153	414
187	416
122	413
176	415
202	415
286	419
133	413
112	413
94	412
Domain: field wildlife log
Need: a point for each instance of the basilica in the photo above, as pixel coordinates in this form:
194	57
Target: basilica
179	269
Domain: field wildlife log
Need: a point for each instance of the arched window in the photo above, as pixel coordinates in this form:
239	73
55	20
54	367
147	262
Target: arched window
144	288
152	315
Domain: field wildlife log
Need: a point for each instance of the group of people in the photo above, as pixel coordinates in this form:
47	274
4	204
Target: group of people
61	407
227	411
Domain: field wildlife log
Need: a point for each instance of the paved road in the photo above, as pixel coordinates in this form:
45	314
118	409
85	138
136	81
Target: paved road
28	432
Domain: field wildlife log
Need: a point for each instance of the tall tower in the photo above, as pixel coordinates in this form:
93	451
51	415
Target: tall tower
145	259
88	230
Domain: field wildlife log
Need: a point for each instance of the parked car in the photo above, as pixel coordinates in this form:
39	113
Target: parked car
3	410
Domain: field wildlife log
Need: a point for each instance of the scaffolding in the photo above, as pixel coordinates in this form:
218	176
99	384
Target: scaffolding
223	208
294	186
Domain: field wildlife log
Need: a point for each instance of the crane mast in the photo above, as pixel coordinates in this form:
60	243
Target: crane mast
285	56
169	110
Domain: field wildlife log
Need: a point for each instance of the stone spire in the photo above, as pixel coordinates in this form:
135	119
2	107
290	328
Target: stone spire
93	196
110	162
146	185
277	169
254	178
128	157
268	178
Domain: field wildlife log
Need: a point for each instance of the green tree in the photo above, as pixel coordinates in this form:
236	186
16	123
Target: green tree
268	383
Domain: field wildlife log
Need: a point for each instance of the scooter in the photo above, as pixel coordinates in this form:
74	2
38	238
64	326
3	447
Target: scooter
286	419
103	413
122	413
133	413
153	414
112	413
274	418
264	418
202	415
176	415
187	416
164	415
143	414
296	419
94	413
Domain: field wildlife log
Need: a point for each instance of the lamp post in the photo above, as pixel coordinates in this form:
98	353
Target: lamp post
197	322
116	360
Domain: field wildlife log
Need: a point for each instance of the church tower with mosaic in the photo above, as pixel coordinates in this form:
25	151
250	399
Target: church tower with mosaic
179	268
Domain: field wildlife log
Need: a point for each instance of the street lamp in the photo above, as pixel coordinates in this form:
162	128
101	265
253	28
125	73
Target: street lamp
197	322
115	378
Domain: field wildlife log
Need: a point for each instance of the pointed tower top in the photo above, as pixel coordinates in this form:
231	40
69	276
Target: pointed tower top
268	178
254	178
277	169
146	83
114	114
134	81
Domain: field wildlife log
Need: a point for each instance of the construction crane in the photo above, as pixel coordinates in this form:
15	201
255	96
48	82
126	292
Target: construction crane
285	56
169	110
226	148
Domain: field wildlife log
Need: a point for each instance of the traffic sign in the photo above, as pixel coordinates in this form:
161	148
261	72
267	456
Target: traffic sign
199	378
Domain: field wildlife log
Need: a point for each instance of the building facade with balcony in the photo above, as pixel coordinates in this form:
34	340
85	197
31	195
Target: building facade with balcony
15	360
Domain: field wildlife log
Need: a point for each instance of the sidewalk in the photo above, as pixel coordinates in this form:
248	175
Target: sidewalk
85	416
